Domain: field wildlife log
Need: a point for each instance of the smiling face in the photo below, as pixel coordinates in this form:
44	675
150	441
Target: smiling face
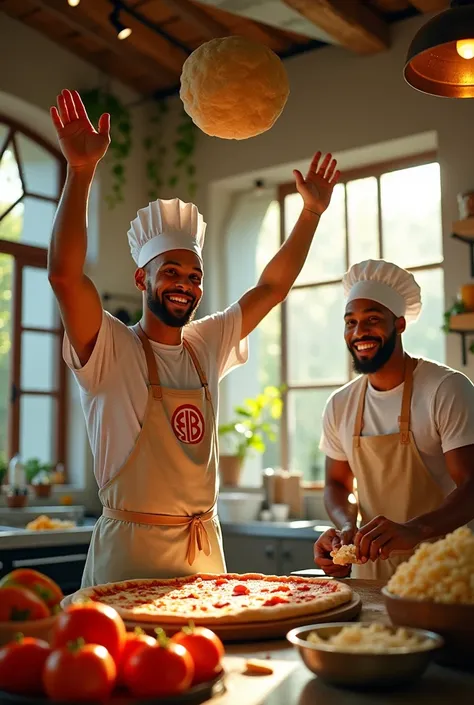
372	333
173	285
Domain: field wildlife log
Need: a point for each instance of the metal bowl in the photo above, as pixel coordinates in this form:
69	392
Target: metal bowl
350	669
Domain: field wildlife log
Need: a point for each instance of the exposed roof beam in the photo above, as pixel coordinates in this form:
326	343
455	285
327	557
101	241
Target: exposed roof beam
351	24
208	27
430	5
81	23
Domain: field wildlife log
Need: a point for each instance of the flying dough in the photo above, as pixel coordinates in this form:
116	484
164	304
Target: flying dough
233	87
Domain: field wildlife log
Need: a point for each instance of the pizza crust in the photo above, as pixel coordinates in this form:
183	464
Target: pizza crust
210	599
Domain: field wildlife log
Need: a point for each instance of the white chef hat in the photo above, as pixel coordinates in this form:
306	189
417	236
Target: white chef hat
384	282
166	225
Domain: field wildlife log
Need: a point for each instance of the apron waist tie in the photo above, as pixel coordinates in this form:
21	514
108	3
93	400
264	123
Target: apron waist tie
198	537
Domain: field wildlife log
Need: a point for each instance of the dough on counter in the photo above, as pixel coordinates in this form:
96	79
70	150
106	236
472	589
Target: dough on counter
345	555
233	87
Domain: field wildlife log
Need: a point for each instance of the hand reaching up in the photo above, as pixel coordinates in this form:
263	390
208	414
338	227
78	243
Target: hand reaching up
82	145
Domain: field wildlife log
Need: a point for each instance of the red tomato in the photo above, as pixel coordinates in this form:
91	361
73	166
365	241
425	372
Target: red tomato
95	623
40	584
160	670
206	649
19	604
21	665
79	672
133	642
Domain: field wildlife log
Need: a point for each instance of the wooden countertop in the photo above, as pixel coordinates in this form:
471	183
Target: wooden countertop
439	686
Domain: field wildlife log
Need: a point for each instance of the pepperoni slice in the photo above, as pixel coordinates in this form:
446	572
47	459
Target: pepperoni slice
241	590
275	600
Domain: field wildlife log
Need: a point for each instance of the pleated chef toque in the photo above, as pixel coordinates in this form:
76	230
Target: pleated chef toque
386	283
166	225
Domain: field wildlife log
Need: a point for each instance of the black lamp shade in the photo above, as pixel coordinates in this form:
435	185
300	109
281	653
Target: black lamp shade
433	63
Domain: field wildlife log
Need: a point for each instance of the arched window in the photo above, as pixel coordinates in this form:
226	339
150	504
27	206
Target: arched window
32	374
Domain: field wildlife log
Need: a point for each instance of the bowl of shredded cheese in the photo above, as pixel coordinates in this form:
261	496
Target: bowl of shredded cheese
434	590
365	655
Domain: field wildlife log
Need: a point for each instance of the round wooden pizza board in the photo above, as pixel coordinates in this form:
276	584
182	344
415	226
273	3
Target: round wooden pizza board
255	631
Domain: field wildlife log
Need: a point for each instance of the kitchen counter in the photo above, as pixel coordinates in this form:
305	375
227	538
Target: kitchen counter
438	686
80	535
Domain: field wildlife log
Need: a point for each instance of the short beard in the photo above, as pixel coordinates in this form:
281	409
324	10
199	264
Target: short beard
160	310
381	357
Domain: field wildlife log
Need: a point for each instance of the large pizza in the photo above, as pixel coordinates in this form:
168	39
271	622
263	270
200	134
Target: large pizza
228	598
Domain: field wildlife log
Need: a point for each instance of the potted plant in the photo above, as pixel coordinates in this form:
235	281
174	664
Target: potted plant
252	425
39	476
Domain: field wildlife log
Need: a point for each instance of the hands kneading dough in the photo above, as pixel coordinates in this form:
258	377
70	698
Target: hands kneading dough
344	555
233	88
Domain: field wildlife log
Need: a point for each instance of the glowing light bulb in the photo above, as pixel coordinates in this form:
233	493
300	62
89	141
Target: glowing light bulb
465	48
126	32
73	3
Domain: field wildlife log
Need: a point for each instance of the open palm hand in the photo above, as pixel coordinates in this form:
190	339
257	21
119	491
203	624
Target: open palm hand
317	187
81	144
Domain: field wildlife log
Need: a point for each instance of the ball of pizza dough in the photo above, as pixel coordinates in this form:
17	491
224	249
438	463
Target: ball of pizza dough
233	87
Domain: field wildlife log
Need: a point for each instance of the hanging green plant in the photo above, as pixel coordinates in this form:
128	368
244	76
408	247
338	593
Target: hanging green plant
98	101
456	308
155	149
185	146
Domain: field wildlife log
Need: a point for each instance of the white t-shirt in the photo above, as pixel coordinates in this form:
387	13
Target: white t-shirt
442	416
113	382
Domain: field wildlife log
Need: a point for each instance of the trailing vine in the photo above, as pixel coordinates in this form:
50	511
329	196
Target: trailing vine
98	101
156	150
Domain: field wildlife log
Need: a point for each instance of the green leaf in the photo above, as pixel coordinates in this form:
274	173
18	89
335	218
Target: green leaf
148	143
118	169
191	169
172	181
242	411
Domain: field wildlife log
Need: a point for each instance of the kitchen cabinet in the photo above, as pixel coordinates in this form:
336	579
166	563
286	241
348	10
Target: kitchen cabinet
270	556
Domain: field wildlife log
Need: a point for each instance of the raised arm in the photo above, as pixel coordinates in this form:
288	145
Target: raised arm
281	272
83	148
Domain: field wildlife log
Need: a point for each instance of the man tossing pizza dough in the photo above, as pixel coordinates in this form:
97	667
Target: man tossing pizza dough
150	392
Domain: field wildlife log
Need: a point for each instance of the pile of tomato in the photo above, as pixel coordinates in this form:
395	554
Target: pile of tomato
90	654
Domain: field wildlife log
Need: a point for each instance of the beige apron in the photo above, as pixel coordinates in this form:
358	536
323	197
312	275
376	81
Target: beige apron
391	477
159	511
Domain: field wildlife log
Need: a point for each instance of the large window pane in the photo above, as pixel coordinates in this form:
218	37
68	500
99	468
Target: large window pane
6	270
316	349
38	418
39	306
37	218
10	183
305	411
363	221
425	337
411	216
40	169
37	361
268	333
327	258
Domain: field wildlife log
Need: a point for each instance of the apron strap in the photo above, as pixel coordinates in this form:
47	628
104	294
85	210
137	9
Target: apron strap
359	420
199	369
153	375
404	418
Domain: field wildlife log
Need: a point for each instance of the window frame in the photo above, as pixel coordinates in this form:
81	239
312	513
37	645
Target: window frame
286	189
32	256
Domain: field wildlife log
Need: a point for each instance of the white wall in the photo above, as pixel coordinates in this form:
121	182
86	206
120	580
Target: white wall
37	71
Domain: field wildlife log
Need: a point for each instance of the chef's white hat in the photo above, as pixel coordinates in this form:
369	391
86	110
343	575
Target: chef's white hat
166	225
384	282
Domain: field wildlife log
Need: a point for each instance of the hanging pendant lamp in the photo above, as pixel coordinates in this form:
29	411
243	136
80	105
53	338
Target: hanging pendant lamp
440	60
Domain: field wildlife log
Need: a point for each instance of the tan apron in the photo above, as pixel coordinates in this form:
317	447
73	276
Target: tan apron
159	511
391	477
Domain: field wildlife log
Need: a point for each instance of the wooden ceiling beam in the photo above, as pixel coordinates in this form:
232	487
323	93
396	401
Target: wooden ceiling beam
208	27
430	5
76	20
351	24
